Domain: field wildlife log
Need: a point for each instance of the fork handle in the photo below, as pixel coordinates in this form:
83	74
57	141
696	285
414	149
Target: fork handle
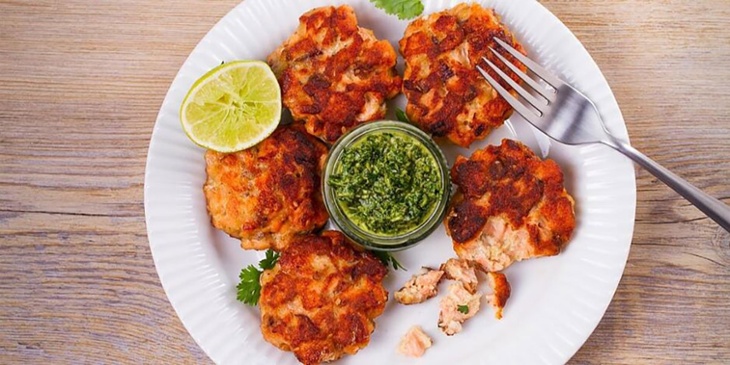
714	208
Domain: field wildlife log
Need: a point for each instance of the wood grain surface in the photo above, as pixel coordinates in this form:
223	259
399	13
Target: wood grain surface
80	86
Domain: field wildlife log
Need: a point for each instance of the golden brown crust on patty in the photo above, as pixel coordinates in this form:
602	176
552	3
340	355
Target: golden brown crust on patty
447	96
269	193
510	206
335	75
501	290
320	299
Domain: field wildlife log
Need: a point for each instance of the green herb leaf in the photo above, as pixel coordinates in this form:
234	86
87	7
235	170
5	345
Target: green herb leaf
401	115
404	9
387	259
249	288
463	309
270	260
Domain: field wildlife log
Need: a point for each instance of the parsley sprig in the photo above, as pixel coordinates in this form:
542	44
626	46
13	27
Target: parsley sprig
403	9
388	260
249	288
401	115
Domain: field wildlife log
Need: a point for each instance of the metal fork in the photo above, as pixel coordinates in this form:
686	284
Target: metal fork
567	116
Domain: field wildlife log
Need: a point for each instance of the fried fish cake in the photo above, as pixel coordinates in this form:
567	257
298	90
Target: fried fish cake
447	96
333	74
269	193
321	298
510	206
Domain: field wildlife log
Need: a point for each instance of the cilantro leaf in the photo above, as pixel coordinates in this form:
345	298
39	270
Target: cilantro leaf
270	260
401	115
387	259
463	309
249	289
404	9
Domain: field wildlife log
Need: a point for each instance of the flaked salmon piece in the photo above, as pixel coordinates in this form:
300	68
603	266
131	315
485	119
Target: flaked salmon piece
461	270
414	343
456	307
422	286
501	291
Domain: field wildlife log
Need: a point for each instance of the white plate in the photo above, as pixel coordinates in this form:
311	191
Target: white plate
556	302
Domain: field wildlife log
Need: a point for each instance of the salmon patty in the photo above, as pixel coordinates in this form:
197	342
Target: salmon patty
333	74
270	193
447	96
510	206
321	298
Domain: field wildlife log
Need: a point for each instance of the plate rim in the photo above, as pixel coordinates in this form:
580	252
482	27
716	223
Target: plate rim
239	8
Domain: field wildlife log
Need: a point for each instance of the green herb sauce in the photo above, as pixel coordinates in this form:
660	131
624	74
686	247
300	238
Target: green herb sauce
387	183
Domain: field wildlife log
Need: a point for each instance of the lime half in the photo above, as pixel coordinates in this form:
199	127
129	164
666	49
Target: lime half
232	107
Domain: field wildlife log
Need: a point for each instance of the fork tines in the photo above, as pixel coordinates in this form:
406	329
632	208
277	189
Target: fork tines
541	103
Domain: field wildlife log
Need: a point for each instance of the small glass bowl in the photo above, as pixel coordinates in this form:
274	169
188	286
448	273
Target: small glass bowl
368	239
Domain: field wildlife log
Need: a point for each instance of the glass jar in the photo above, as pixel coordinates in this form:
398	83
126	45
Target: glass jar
366	237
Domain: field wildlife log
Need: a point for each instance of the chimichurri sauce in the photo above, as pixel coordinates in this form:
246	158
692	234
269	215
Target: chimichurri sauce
387	183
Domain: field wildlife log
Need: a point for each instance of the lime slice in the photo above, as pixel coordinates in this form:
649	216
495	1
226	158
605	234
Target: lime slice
232	107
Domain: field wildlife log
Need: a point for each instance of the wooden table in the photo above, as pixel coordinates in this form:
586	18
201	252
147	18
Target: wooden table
80	86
